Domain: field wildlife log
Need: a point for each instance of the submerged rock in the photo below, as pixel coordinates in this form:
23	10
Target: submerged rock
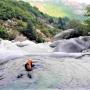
20	76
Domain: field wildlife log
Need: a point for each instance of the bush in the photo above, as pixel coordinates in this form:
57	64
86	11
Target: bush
53	31
6	11
81	26
40	39
11	35
30	32
46	32
3	33
21	23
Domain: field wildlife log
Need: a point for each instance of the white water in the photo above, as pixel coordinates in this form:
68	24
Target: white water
9	50
50	71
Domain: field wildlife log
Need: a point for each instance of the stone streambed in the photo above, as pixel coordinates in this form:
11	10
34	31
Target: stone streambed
48	73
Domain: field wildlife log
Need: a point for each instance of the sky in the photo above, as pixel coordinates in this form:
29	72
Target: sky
81	1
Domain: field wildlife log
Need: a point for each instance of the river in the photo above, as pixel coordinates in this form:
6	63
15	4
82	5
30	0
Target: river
49	72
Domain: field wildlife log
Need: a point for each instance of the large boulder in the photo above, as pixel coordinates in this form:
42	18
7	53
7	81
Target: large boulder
67	34
73	45
55	43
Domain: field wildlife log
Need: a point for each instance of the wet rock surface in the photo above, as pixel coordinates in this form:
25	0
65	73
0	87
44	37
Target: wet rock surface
51	70
47	73
72	45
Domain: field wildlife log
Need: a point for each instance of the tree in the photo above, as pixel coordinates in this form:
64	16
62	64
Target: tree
3	33
61	23
88	11
73	24
30	32
87	21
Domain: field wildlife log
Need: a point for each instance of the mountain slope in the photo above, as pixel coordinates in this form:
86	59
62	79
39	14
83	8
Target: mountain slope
18	17
58	8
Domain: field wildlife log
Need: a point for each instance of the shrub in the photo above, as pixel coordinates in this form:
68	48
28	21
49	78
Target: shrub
3	33
40	39
21	23
46	32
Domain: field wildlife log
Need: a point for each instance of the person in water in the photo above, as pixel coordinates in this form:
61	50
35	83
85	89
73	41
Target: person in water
28	65
28	68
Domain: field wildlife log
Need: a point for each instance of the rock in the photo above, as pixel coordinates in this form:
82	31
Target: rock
24	43
67	34
29	75
55	43
20	38
20	76
73	45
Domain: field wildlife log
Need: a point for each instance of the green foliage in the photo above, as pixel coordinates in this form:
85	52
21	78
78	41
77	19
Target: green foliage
3	33
27	19
88	10
46	32
87	21
88	24
61	23
75	24
11	8
30	31
39	38
6	11
11	35
21	23
53	31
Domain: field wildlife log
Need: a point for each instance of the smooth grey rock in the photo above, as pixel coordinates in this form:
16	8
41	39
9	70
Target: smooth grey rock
55	43
67	34
72	45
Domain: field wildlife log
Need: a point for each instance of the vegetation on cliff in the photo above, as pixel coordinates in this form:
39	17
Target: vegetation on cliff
19	17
